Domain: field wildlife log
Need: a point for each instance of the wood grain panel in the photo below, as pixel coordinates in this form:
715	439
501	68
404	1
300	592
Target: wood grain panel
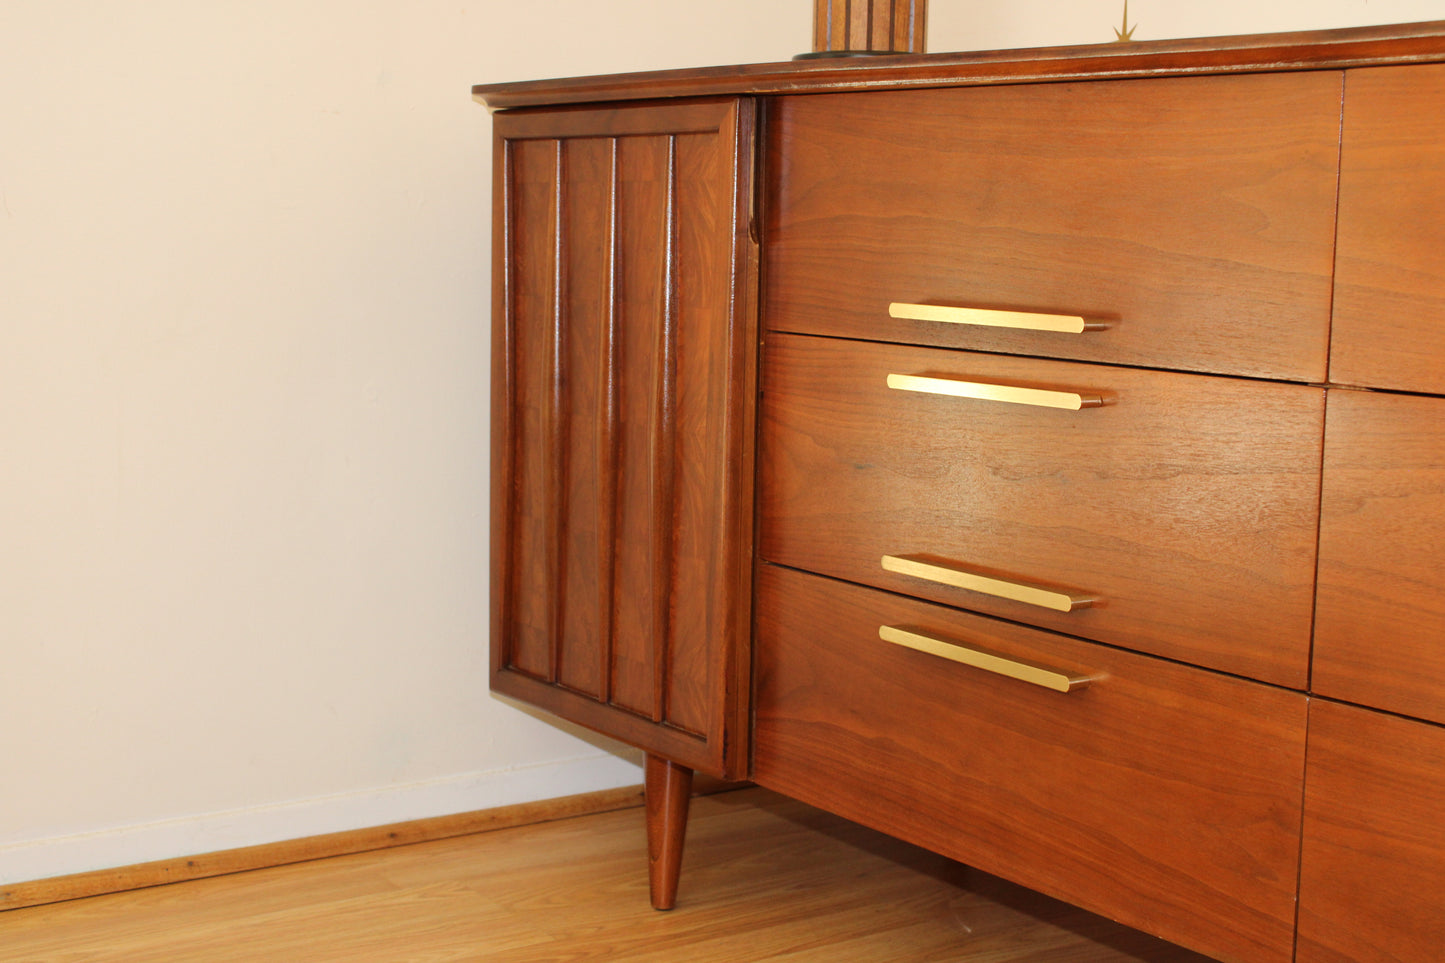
587	508
530	626
626	365
642	320
1195	215
1381	608
876	26
663	458
859	14
1162	796
1389	316
1188	504
1374	839
702	471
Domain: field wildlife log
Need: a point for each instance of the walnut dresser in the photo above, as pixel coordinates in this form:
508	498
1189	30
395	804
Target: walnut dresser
1036	455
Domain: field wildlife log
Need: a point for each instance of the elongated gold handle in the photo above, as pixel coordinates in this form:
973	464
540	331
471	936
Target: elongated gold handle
982	391
912	638
1060	600
1024	320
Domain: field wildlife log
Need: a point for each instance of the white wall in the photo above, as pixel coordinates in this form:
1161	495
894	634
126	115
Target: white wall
243	391
244	280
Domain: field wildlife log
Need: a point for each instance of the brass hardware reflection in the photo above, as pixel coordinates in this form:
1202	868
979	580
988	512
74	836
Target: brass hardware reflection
1059	600
1012	668
1023	320
1038	397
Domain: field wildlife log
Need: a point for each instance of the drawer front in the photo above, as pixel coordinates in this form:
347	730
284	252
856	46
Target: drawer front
1193	217
1389	326
1160	795
1380	628
1374	839
1183	510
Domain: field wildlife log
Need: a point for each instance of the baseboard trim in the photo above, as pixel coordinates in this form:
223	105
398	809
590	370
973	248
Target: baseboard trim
162	872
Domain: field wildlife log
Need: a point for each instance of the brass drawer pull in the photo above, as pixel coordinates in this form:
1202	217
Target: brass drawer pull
1024	320
1060	600
912	638
1038	397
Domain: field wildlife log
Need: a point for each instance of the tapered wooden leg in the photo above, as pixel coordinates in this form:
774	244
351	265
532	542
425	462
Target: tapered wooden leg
669	789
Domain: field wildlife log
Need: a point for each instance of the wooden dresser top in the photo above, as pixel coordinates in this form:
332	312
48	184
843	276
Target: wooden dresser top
1313	50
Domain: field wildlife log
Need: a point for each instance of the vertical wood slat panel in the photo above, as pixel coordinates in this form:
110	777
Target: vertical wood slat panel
608	505
878	26
909	32
838	24
533	229
504	404
584	509
642	211
557	418
859	23
700	433
663	456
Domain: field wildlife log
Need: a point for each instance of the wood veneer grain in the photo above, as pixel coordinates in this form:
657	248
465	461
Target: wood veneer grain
1188	503
1162	796
1380	613
1374	843
1192	217
1389	317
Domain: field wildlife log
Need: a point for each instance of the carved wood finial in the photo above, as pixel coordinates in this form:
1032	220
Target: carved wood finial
843	28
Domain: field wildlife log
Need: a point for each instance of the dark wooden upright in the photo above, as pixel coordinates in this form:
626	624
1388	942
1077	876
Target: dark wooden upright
869	26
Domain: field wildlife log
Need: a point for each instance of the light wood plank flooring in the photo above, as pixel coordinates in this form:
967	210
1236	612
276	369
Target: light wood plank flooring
764	878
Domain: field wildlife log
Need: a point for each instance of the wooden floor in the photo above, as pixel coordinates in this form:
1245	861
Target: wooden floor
764	878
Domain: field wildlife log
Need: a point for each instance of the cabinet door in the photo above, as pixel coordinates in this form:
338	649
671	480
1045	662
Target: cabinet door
623	380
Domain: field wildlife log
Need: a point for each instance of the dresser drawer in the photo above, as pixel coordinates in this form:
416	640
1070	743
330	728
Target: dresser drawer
1176	518
1192	217
1389	326
1160	795
1374	839
1380	626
